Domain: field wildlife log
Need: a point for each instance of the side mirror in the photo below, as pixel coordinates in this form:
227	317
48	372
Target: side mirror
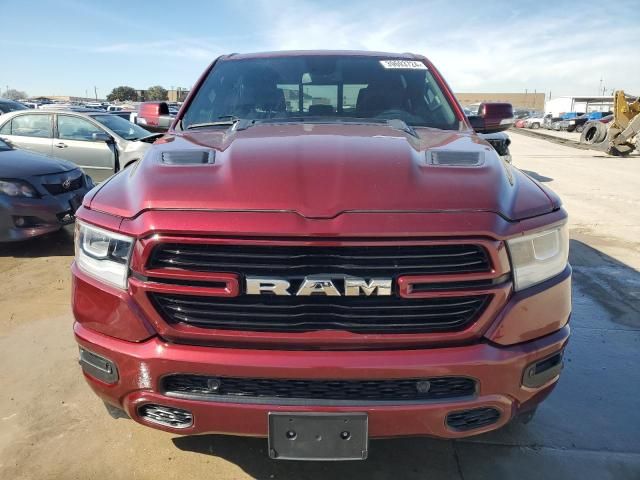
101	137
492	117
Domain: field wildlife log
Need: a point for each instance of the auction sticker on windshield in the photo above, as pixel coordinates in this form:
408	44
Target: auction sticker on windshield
410	64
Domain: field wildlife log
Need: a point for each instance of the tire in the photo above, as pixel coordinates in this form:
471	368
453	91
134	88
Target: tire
594	132
579	128
535	126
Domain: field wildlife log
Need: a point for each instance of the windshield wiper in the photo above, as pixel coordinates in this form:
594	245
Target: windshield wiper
225	121
395	123
400	124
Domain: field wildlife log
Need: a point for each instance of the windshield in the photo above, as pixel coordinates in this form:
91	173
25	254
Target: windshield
322	88
124	128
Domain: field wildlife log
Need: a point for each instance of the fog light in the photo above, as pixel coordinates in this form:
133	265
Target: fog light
98	367
19	221
542	371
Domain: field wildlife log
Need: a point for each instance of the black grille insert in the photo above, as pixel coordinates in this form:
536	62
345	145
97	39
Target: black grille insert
287	261
58	188
317	391
384	314
472	419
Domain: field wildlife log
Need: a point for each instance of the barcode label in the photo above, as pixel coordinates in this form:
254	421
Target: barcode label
407	64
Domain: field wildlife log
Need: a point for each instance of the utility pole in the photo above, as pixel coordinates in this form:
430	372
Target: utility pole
95	90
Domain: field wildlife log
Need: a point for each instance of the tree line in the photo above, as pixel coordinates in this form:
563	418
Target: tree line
121	94
13	94
124	93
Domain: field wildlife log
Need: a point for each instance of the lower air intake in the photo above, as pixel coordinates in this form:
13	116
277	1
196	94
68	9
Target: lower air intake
167	416
472	419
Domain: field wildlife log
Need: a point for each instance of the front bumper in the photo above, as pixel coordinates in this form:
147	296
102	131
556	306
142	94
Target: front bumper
44	215
498	371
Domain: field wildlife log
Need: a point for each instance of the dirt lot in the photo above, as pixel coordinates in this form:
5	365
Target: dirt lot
52	426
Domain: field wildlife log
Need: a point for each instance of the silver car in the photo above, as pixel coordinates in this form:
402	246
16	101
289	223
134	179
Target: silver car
98	142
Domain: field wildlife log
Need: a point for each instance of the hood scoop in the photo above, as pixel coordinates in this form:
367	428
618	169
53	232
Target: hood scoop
188	157
453	158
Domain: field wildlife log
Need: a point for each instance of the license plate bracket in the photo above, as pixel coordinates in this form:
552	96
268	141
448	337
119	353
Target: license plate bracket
318	436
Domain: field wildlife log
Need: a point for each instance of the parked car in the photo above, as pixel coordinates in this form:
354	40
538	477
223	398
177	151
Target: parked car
550	121
520	123
98	142
536	121
577	124
286	270
126	114
525	113
38	194
7	106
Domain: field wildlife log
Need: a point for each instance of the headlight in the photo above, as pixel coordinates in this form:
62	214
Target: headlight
572	122
17	188
103	254
539	256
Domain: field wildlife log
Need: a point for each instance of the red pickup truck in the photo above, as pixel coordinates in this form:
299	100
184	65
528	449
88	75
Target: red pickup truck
323	250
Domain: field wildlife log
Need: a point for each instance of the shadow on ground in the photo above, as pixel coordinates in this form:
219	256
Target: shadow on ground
611	283
56	244
406	458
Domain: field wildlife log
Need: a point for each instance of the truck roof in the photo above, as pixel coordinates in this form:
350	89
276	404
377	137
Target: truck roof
295	53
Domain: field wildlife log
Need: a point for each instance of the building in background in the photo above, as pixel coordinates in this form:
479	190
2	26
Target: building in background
177	95
584	104
523	101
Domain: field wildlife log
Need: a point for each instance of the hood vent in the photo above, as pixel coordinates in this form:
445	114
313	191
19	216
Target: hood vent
453	158
188	157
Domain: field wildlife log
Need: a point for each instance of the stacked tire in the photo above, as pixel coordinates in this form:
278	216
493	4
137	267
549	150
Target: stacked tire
593	132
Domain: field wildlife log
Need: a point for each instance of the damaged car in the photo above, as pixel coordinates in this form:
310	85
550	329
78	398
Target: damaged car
98	142
38	194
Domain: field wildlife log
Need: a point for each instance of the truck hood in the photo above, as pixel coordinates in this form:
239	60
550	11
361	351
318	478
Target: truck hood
321	171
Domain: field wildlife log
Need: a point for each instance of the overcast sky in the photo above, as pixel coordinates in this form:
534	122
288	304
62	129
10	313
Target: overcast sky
69	46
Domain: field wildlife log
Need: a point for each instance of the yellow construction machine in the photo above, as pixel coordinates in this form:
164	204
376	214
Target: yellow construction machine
623	134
